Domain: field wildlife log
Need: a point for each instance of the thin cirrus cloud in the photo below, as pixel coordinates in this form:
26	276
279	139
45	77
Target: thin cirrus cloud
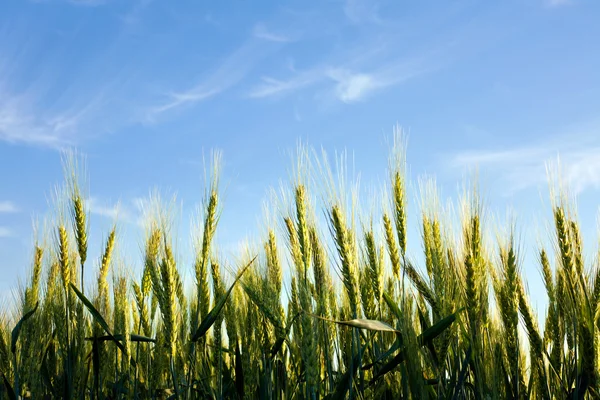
134	211
25	120
345	84
83	3
8	207
114	211
362	11
89	3
232	70
19	123
558	3
275	87
6	232
77	109
260	31
520	168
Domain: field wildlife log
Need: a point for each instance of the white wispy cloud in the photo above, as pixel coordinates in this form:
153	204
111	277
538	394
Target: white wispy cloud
352	87
8	207
227	74
84	3
275	87
114	211
88	3
77	109
133	16
345	84
25	120
260	31
575	157
362	11
6	232
558	3
134	211
20	123
191	96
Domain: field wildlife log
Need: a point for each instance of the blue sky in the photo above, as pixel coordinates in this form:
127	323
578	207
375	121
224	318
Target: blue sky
146	89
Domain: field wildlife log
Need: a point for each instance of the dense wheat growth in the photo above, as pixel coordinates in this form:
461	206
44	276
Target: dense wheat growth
328	304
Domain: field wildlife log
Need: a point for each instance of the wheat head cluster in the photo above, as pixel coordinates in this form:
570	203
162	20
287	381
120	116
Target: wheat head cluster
326	303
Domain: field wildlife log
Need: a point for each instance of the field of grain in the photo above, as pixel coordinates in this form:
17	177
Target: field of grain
358	318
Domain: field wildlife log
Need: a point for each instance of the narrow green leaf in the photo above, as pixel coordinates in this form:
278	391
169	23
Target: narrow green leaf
361	323
278	345
211	317
9	389
17	330
141	339
463	375
345	382
389	366
96	366
385	355
119	337
392	305
44	365
239	372
98	317
260	303
423	339
95	313
437	329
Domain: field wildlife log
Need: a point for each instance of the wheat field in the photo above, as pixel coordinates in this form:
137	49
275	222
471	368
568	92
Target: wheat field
326	304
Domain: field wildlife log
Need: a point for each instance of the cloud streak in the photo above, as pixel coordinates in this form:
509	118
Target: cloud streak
114	211
260	31
38	109
345	84
6	232
19	123
227	74
362	11
275	87
8	207
519	168
558	3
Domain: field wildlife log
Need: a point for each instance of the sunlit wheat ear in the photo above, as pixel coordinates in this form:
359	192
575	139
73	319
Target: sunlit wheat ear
142	308
167	302
105	263
33	291
302	225
273	264
564	240
507	294
397	170
537	363
178	284
74	170
530	322
375	267
392	246
219	292
204	232
294	244
63	255
150	258
366	293
346	254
